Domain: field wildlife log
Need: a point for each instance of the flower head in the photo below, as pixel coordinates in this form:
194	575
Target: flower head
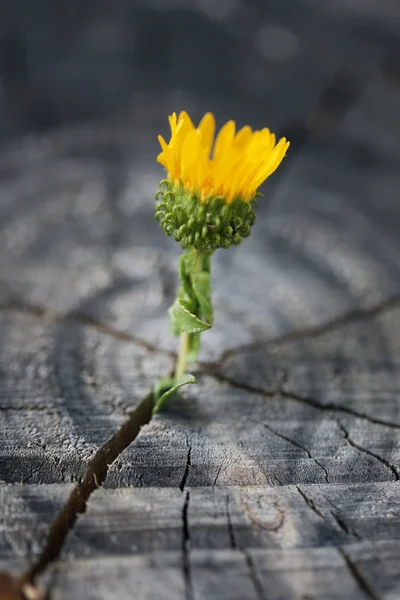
232	166
208	199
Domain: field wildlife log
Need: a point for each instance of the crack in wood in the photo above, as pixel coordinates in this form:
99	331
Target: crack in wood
359	577
352	316
332	406
341	524
231	532
258	588
290	395
298	445
186	562
53	316
350	531
35	471
381	459
257	585
344	527
218	473
94	478
187	467
322	467
310	503
13	588
247	387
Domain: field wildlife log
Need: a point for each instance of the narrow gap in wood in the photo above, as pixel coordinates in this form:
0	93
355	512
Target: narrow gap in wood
344	527
359	576
54	316
258	588
187	468
310	503
187	566
381	459
231	532
94	478
218	474
13	588
298	445
291	395
331	406
349	531
352	316
247	387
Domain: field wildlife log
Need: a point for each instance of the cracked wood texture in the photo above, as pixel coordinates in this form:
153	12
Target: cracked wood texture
277	476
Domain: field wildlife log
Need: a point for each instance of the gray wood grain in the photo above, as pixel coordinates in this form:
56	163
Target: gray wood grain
217	573
311	537
303	516
65	389
26	513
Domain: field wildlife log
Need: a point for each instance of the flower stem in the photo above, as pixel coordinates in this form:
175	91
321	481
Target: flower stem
182	356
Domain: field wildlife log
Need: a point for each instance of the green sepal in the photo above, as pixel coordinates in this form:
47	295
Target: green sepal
166	387
203	225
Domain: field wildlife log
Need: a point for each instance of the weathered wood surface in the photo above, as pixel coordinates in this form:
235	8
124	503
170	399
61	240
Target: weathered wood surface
277	476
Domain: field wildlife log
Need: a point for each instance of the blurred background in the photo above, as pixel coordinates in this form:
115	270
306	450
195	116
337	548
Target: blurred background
272	62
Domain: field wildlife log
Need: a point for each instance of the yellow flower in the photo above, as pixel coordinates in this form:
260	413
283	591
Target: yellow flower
233	166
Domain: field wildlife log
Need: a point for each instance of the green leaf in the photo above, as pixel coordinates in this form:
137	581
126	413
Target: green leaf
159	401
183	320
202	288
162	386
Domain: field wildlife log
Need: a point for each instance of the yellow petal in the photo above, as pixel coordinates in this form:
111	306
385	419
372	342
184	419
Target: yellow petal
162	142
188	156
207	130
243	137
166	156
185	121
224	167
236	181
184	127
172	123
239	163
251	172
161	159
272	164
224	139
